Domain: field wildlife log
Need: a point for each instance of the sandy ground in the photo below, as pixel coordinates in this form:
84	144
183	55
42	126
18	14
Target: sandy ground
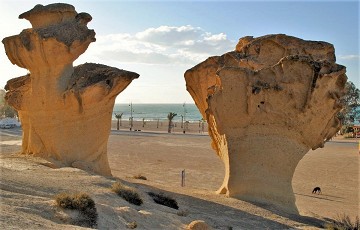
28	185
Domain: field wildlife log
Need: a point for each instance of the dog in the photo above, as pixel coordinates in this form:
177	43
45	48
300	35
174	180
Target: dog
317	190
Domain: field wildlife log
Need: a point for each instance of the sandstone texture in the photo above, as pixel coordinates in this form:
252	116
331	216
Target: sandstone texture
198	225
65	111
267	104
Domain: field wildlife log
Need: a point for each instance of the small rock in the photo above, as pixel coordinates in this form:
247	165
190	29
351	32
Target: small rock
198	225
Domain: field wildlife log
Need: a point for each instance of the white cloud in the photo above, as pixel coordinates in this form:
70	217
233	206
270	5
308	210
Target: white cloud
349	57
216	37
184	45
169	35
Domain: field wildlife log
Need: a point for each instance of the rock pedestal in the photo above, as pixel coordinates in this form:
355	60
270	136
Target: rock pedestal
267	104
65	111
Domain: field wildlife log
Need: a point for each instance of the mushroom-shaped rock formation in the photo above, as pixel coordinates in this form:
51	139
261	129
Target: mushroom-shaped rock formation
65	111
267	104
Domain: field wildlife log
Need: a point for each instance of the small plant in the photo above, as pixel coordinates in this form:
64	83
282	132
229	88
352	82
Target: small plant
343	222
81	202
162	199
131	225
140	177
127	193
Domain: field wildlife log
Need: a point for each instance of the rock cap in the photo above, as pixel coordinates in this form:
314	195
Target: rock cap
52	13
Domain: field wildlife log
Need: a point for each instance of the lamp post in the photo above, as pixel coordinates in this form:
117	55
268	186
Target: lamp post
131	116
184	118
182	121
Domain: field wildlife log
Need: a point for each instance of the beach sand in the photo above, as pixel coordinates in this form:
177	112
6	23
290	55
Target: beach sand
28	186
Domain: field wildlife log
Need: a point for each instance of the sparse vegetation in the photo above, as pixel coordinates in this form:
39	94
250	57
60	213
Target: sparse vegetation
162	199
127	193
348	135
140	177
81	202
351	102
131	225
5	109
343	222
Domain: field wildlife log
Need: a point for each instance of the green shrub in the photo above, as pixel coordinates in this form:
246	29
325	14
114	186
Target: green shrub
162	199
343	222
127	193
81	202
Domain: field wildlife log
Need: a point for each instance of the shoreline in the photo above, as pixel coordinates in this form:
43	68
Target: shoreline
162	127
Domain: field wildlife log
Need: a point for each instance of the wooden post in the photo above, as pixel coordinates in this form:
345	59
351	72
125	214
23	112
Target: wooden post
183	178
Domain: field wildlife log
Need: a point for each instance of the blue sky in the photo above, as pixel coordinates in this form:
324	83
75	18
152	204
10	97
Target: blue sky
162	39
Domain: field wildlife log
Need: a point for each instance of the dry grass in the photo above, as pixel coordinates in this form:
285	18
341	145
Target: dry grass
348	135
343	222
162	199
131	225
81	202
127	193
140	177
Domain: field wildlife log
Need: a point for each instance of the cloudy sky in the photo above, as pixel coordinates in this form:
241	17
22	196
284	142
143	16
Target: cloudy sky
160	40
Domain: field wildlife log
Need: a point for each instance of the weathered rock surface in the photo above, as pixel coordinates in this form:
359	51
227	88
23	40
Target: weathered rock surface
267	104
65	111
198	225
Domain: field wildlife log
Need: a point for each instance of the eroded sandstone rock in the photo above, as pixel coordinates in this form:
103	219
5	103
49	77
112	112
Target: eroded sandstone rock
267	104
198	225
65	111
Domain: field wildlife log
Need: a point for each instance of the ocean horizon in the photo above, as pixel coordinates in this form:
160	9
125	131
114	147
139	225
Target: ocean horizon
154	112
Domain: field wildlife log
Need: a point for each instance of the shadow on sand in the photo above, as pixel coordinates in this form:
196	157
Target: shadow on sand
306	220
220	216
321	197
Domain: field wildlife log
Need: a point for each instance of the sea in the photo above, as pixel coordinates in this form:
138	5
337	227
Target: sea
154	112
